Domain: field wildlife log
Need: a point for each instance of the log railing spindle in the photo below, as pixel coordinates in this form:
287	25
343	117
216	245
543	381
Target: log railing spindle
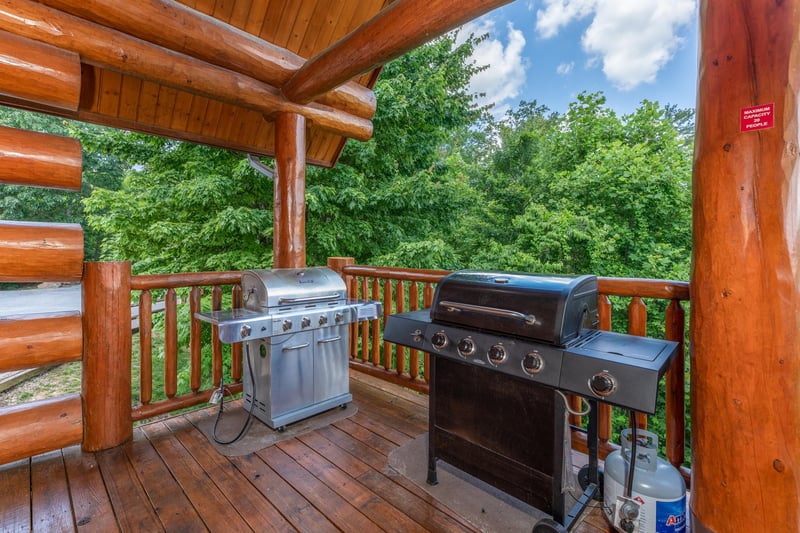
236	347
603	409
413	300
400	298
676	386
216	344
195	340
170	343
145	347
376	325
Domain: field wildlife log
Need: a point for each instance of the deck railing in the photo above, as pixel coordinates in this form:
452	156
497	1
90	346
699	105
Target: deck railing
399	290
193	286
407	289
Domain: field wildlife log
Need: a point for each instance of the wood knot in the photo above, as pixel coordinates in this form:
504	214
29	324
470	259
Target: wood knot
715	62
727	147
778	465
726	293
728	58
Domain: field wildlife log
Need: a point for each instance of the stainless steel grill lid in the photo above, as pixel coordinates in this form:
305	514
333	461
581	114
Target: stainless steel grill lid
546	308
287	287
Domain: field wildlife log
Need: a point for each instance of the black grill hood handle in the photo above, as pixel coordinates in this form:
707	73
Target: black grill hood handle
455	307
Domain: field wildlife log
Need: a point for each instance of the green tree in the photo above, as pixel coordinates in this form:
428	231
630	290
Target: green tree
183	207
36	204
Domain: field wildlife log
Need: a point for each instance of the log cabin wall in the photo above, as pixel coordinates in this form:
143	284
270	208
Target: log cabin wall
34	252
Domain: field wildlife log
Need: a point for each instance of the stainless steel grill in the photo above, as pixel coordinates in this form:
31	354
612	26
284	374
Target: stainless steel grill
295	329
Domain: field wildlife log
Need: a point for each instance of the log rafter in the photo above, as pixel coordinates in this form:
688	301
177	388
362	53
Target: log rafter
403	26
113	50
174	26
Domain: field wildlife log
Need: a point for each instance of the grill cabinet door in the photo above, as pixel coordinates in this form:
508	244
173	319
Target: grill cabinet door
331	377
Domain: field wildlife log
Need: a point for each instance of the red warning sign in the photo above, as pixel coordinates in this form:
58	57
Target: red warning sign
758	117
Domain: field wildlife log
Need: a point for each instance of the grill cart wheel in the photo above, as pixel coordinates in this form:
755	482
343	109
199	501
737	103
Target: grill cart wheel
548	525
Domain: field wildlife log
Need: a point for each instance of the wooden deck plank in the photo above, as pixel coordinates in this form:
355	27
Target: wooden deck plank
50	505
337	509
90	502
387	485
371	505
297	510
15	487
172	506
171	478
256	509
133	509
213	507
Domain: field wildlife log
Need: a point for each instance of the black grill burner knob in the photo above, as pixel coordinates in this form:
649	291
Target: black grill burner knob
323	320
287	325
533	363
305	322
603	384
466	347
439	340
497	354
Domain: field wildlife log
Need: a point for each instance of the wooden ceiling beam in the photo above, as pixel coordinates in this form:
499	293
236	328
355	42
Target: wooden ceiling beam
403	26
174	26
111	49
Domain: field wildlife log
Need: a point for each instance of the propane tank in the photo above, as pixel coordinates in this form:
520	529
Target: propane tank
658	496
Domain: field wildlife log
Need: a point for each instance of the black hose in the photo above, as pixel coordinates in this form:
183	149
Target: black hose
250	411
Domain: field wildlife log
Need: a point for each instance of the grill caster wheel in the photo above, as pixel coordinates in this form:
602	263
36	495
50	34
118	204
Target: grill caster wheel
343	406
281	429
583	480
548	525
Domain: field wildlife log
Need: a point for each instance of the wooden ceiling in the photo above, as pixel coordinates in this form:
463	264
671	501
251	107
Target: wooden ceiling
296	28
215	72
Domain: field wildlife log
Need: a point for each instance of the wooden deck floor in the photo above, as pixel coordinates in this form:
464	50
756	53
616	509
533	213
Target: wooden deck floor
171	479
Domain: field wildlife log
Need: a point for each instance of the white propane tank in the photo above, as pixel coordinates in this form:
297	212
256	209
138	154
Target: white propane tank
658	487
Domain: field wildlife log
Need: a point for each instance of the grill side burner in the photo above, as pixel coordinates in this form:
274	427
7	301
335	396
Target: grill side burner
295	328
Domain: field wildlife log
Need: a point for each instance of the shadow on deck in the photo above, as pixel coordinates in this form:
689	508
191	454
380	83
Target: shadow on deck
170	478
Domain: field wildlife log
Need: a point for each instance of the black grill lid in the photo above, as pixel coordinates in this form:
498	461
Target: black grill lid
546	308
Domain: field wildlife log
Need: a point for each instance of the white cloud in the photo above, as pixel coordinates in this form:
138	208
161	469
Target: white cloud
565	68
633	38
505	75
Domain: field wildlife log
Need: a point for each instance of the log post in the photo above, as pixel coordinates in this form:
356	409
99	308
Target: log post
106	384
289	231
337	264
745	358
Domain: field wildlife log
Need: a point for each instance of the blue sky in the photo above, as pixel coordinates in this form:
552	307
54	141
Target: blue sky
551	50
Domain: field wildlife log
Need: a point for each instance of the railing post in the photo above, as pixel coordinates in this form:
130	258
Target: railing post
106	382
337	264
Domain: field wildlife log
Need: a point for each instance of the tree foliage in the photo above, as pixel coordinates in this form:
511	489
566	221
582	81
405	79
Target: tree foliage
35	204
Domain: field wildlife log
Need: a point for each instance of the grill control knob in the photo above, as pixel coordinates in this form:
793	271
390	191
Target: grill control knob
497	354
466	347
439	340
287	325
533	363
338	317
323	319
603	384
305	322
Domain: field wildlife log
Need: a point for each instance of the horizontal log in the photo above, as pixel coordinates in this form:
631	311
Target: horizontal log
175	26
390	376
40	340
169	405
37	427
187	279
404	274
403	26
33	71
39	159
33	251
644	288
111	49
